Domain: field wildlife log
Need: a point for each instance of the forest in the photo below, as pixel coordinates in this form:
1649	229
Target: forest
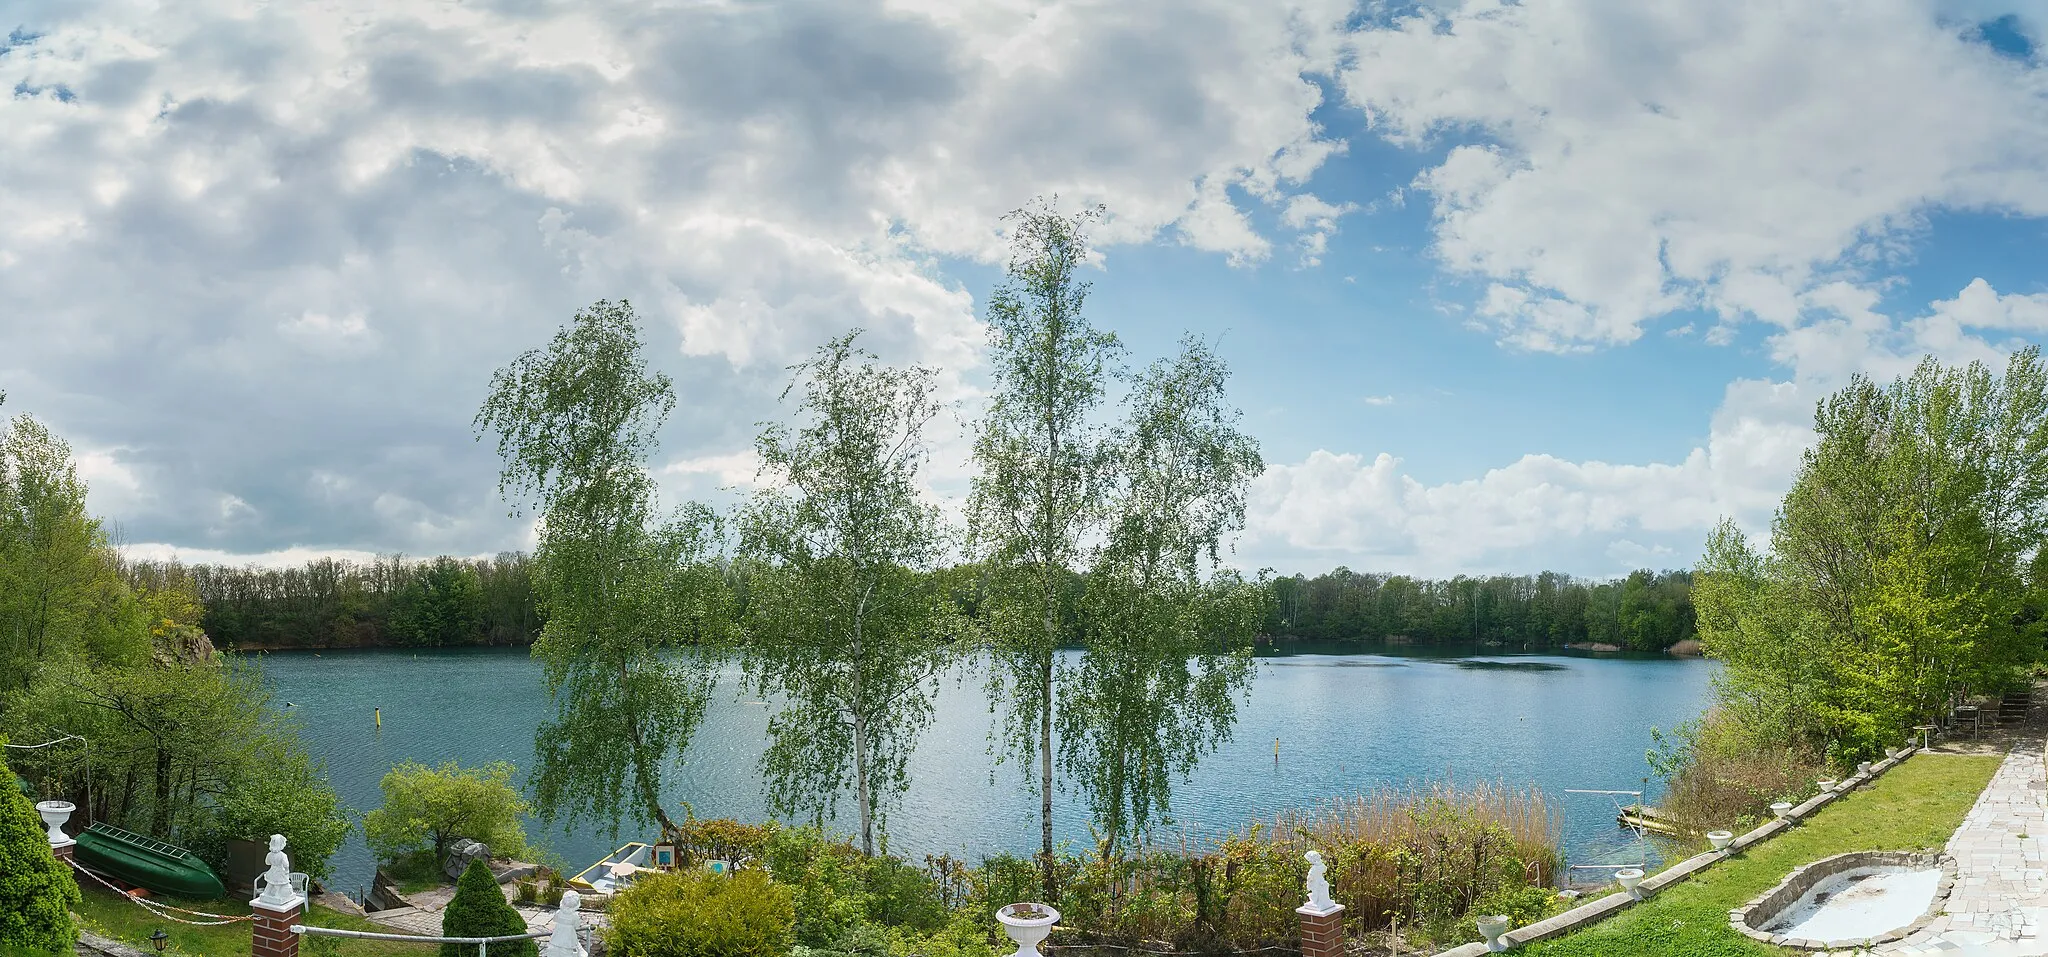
456	602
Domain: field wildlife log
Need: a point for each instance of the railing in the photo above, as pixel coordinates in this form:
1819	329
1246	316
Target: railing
482	943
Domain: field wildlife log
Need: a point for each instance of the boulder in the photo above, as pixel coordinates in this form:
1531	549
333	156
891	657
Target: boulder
461	853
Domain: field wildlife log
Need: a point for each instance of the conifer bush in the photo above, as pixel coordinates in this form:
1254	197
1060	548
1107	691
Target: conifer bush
479	909
36	889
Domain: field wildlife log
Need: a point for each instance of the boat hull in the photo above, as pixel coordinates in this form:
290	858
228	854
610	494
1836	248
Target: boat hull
156	866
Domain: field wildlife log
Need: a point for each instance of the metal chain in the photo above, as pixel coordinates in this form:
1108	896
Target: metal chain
158	909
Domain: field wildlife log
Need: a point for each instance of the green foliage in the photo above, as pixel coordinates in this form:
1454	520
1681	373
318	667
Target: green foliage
479	909
36	890
695	913
1039	488
281	791
441	603
844	630
431	808
1167	632
1898	564
1646	611
575	423
61	594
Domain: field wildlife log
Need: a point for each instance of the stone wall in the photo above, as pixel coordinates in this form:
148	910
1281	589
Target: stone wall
1753	917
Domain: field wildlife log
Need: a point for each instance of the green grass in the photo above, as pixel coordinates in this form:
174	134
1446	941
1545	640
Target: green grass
109	915
1916	805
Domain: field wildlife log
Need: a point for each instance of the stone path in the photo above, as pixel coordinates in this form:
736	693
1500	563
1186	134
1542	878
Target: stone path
2001	894
424	917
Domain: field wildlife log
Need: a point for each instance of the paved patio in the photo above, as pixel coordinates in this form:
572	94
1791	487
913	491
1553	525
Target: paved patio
2001	894
424	917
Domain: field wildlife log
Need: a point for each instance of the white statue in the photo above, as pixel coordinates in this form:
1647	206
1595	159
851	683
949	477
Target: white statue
563	942
1318	884
277	881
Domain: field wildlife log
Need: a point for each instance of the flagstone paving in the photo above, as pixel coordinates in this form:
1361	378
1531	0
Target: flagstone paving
2000	898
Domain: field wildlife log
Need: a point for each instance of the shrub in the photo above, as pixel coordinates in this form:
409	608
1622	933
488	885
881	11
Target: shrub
37	891
700	914
1719	775
899	895
529	892
553	895
479	909
432	807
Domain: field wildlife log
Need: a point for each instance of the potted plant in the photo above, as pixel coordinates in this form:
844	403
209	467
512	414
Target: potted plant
1027	924
54	814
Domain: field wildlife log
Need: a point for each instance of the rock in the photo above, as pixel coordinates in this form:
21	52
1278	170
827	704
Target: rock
461	853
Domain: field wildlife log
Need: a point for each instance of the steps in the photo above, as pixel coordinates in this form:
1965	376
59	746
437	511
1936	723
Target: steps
2015	706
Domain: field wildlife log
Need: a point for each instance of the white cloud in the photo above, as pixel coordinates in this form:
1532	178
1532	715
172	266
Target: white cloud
1645	157
1379	400
439	186
1598	518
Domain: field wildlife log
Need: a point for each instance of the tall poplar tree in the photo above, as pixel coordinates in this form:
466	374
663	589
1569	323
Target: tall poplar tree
1039	487
636	607
1167	629
847	626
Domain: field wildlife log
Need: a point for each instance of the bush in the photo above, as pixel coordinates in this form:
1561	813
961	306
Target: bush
529	892
431	808
1719	776
479	909
37	891
700	914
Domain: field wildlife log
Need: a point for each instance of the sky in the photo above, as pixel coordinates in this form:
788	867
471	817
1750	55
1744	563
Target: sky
1504	287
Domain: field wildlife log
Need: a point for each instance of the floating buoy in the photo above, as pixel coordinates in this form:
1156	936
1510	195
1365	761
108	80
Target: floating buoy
379	713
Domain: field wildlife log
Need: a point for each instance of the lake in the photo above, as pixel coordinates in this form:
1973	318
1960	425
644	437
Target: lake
1345	722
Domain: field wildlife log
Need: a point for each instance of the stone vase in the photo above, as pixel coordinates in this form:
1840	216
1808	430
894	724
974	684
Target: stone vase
1027	931
1720	839
1491	927
54	814
1629	878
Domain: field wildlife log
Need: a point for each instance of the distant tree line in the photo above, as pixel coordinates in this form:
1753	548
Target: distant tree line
1647	611
454	602
388	602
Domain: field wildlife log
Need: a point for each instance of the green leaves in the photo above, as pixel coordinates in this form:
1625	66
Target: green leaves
622	593
430	808
1167	632
1897	570
845	626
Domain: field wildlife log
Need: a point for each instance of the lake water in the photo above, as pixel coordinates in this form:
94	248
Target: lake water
1345	722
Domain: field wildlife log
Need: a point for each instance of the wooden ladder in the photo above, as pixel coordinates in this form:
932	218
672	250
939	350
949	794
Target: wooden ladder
2015	706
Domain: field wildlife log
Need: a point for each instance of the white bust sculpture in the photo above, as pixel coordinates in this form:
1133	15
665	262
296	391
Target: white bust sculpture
1318	884
277	881
563	943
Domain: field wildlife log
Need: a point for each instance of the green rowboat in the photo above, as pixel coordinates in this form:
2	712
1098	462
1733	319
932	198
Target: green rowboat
147	862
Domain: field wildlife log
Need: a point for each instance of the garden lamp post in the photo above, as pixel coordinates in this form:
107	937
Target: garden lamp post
158	939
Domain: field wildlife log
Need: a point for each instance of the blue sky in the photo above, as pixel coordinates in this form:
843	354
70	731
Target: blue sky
1506	287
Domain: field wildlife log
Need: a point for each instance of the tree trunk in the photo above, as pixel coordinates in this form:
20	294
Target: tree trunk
860	783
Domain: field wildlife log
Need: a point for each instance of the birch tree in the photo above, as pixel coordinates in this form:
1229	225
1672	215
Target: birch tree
847	628
1039	484
1167	629
635	606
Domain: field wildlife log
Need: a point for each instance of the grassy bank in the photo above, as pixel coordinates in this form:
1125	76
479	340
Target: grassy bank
108	915
1916	805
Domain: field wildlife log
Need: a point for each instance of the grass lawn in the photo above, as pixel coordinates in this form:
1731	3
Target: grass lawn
108	915
1915	805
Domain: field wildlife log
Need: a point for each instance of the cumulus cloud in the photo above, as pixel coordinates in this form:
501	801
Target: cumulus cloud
1632	159
1600	518
272	252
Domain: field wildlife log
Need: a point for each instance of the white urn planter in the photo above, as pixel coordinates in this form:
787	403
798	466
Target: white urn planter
1028	925
1827	785
54	814
1629	878
1780	809
1863	767
1491	927
1720	839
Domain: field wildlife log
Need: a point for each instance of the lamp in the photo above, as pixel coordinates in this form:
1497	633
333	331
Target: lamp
158	939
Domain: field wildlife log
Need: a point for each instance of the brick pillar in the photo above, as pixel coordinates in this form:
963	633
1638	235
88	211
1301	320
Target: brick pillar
1322	931
272	935
64	850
